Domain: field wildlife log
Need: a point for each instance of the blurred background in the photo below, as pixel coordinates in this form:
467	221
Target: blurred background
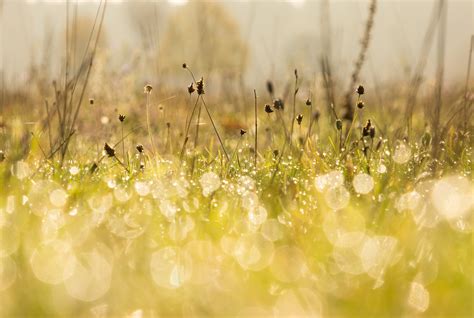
262	39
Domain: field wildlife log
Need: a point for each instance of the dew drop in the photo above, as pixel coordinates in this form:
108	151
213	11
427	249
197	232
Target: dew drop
363	183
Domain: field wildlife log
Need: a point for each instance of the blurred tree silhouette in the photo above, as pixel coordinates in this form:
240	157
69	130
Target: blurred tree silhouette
205	36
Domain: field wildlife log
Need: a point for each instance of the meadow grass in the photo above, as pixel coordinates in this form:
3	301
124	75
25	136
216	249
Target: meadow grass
166	202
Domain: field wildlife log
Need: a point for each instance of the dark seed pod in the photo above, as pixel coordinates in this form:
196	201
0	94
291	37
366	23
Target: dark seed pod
91	101
200	86
316	115
93	168
276	152
308	102
148	88
278	104
360	104
243	132
191	88
139	148
109	150
270	88
360	90
268	109
121	118
366	129
185	65
372	132
299	119
339	124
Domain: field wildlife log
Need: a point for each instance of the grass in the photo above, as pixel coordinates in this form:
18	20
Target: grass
157	213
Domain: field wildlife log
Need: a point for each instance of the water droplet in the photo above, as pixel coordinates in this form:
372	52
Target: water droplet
418	297
210	182
453	197
253	251
53	262
258	215
402	153
382	168
363	183
337	198
58	197
91	277
272	230
142	188
21	170
74	170
170	267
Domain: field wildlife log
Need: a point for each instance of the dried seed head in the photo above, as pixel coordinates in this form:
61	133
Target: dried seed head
243	132
372	132
276	152
109	150
308	102
139	148
366	129
360	90
299	119
191	88
339	124
121	118
360	104
270	87
200	86
148	88
316	115
168	125
268	109
93	168
278	104
185	65
91	101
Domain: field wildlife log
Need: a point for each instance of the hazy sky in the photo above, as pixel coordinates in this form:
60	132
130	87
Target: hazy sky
273	28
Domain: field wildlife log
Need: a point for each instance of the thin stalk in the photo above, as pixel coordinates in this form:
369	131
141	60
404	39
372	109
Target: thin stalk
256	130
215	129
187	128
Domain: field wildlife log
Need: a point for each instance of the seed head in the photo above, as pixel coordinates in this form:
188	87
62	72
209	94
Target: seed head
278	104
243	132
308	102
372	132
148	88
299	119
268	109
360	90
109	150
185	65
276	152
139	148
360	104
91	101
121	118
270	87
316	115
339	124
200	86
191	88
366	129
